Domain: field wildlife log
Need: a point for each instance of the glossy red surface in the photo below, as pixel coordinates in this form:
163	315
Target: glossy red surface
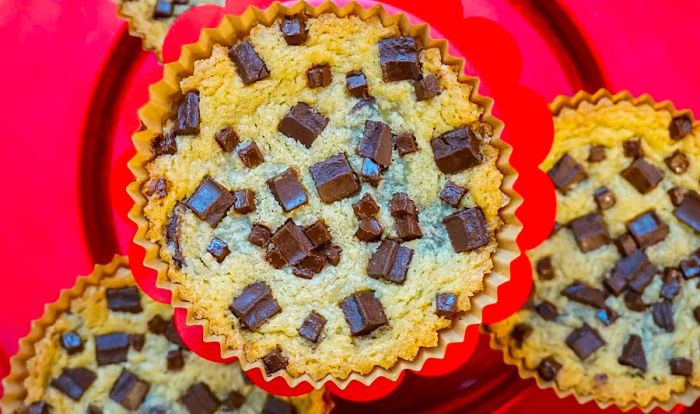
74	78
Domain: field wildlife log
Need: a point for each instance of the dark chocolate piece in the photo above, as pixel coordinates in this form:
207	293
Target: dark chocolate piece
255	305
319	76
157	325
615	284
163	9
357	84
452	194
199	399
244	201
276	259
175	360
672	283
219	249
318	234
72	343
681	366
165	144
334	178
663	315
467	229
249	65
292	242
73	382
547	310
40	407
633	354
126	299
520	333
545	270
642	175
227	139
606	315
210	201
371	172
446	304
634	301
376	143
137	341
596	153
172	235
250	155
647	229
288	190
427	88
370	102
625	244
156	187
234	400
111	348
172	335
303	123
274	405
680	126
548	369
456	151
383	259
332	254
401	205
312	327
688	211
260	235
584	341
363	312
582	293
690	266
677	162
274	361
399	59
366	207
408	228
635	270
314	262
294	29
604	198
633	148
406	144
566	173
590	232
187	122
677	195
696	314
303	273
399	270
600	379
369	230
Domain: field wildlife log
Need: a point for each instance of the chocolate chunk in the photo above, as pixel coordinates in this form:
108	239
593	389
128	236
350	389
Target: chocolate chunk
585	294
165	144
357	84
663	315
312	327
219	249
250	155
255	305
456	151
363	312
157	325
210	201
520	333
604	198
677	195
566	173
545	269
172	335
276	259
401	205
467	229
227	139
625	244
696	314
127	299
596	153
633	148
672	283
72	343
73	382
288	190
606	315
172	235
634	302
633	354
234	400
642	175
163	9
318	234
677	162
680	126
634	269
406	144
199	399
292	242
111	348
590	232
303	273
548	369
319	76
137	341
688	211
248	63
376	143
314	262
446	304
244	201
681	366
399	270
175	360
40	407
615	284
274	405
303	123
584	341
600	379
427	88
690	266
452	194
334	178
187	122
369	230
156	187
332	254
294	29
408	228
647	229
260	235
382	261
642	279
366	207
398	57
547	310
371	172
274	361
